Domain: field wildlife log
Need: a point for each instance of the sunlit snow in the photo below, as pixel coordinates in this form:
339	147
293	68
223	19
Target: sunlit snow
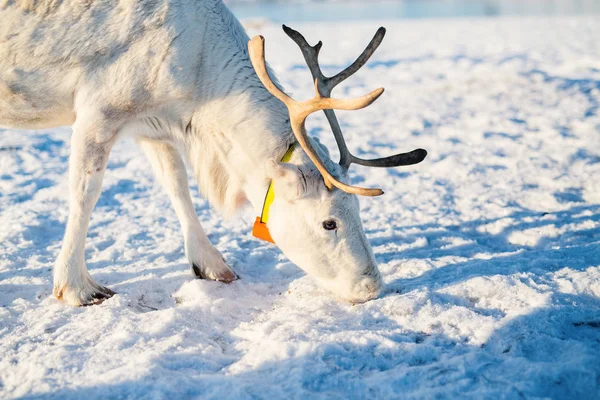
490	249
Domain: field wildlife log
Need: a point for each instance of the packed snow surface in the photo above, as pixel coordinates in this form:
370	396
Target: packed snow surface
490	249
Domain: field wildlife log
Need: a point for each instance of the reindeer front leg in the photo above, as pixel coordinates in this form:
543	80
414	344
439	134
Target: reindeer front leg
72	282
169	168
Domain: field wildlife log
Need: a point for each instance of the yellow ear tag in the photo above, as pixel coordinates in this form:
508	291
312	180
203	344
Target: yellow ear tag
260	229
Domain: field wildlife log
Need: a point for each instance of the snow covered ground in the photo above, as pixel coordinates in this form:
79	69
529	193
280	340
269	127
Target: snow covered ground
490	249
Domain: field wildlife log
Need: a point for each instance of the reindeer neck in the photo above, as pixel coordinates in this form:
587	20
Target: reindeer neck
238	125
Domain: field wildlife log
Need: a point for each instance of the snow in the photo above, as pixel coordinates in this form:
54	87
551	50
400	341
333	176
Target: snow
490	249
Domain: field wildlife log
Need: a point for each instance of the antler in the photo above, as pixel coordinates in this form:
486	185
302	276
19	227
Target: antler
300	110
326	85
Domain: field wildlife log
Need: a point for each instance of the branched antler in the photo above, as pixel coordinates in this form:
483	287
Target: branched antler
300	110
326	86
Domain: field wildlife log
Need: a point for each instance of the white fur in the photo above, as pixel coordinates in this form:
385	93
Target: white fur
175	74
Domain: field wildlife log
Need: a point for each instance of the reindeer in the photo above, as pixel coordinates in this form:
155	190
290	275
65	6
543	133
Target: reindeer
182	78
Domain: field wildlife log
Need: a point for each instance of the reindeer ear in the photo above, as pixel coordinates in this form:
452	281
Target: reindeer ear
286	178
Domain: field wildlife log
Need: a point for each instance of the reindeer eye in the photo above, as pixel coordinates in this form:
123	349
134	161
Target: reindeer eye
329	225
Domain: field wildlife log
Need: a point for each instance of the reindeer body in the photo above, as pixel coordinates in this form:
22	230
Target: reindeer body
177	76
152	69
57	55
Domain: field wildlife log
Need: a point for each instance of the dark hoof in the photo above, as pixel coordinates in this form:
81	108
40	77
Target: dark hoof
225	277
99	296
199	274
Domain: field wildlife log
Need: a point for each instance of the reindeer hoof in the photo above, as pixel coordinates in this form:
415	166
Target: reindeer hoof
91	294
225	275
99	296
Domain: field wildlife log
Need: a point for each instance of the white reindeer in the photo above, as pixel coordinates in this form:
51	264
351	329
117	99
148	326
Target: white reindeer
177	75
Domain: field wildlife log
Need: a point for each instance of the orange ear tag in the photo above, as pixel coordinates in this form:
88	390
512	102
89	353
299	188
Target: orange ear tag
261	231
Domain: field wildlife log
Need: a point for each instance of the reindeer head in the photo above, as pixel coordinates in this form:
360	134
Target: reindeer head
325	238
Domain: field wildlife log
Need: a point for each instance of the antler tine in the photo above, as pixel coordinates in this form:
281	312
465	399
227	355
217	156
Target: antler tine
300	110
327	103
397	160
326	85
256	48
360	61
310	53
